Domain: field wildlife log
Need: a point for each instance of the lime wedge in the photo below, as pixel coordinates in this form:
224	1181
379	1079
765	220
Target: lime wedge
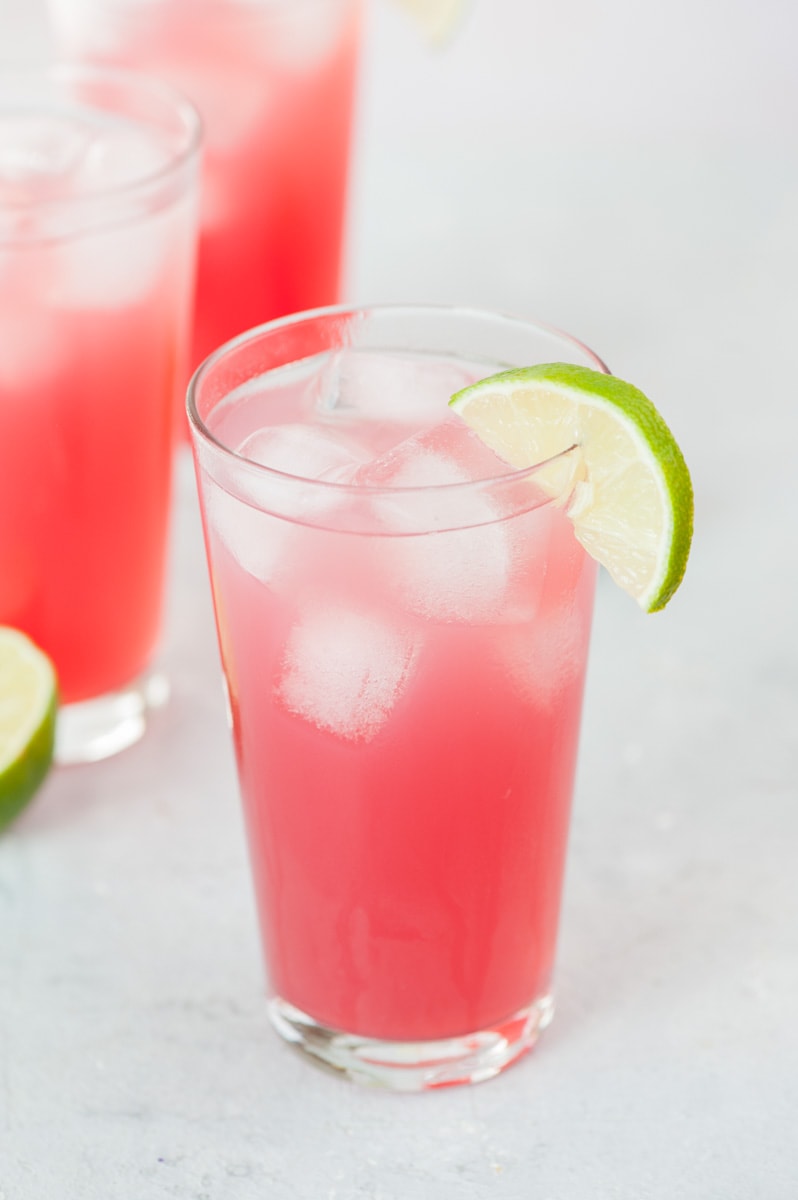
629	496
437	18
27	721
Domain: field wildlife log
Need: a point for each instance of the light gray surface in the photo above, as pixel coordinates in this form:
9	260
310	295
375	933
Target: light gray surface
648	203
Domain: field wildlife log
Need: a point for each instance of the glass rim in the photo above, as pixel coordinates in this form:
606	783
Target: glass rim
13	97
256	470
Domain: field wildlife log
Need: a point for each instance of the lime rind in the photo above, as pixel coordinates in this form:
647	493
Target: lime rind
26	748
537	412
23	778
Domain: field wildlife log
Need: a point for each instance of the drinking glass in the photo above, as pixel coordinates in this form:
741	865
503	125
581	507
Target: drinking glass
403	623
98	199
274	82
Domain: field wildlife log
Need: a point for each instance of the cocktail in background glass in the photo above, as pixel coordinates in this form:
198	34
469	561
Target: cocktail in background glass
404	626
98	204
274	82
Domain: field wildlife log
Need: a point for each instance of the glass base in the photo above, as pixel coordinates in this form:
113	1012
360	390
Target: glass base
91	730
414	1066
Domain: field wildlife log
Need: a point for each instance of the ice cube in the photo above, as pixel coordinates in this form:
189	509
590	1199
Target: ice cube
120	258
303	450
114	267
542	657
456	575
260	538
40	155
258	542
309	453
392	387
110	268
119	154
461	570
446	452
345	671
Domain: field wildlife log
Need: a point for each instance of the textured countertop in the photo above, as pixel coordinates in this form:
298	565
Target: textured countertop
639	187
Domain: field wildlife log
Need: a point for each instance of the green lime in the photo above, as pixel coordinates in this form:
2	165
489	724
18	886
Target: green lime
28	703
629	496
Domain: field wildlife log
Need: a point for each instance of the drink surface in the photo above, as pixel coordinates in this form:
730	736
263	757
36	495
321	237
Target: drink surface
93	308
274	85
405	703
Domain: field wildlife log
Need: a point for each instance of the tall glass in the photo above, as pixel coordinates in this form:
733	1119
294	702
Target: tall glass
98	200
404	625
274	83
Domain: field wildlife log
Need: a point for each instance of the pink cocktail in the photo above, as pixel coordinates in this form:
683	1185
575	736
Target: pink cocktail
404	626
274	83
98	188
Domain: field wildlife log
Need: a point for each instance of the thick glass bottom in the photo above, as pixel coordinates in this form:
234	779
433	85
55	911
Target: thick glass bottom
415	1066
91	730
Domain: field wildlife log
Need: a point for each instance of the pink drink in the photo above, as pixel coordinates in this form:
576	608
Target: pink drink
97	216
404	645
274	83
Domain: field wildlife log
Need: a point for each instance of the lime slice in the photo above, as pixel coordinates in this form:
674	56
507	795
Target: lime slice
629	495
437	18
27	721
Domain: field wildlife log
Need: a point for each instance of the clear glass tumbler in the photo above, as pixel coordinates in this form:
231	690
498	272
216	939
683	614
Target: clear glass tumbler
98	204
404	625
274	82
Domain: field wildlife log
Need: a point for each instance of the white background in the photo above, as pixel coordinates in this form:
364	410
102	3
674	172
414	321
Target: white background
628	171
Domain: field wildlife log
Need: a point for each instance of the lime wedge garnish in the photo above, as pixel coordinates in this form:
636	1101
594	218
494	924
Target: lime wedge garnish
629	497
27	721
437	18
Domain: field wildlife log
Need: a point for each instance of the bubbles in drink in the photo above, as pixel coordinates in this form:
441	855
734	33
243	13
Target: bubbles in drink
344	671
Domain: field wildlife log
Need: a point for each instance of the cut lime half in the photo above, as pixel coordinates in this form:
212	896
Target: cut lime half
27	721
629	496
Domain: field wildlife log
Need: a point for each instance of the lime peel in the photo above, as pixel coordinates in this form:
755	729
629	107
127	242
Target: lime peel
28	704
629	495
